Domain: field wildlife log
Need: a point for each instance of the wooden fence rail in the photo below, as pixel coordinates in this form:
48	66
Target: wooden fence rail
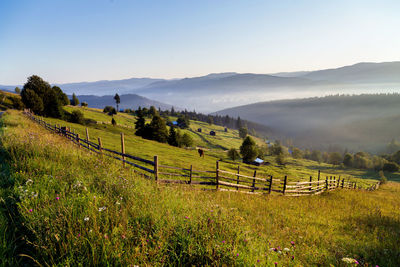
220	179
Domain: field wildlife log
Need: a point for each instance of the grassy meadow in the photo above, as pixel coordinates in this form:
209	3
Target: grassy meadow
63	206
295	169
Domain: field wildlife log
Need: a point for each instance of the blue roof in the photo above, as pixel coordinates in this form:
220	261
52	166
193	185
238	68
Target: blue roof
175	123
258	160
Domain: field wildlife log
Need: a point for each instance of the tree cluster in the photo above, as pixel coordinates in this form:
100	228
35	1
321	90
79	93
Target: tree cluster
43	99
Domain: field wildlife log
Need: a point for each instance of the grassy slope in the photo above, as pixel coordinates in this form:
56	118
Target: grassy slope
50	187
295	169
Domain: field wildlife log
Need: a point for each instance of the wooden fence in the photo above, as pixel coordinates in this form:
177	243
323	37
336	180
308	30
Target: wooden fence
218	178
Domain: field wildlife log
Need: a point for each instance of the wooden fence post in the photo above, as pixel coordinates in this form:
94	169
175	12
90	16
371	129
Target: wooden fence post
156	168
238	177
190	174
310	184
270	185
319	174
254	181
326	183
216	174
123	149
342	183
355	185
100	146
284	185
77	139
87	137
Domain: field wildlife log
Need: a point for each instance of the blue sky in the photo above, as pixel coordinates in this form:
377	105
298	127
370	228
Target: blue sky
88	40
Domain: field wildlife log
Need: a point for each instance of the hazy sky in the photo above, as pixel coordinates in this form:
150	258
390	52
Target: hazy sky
87	40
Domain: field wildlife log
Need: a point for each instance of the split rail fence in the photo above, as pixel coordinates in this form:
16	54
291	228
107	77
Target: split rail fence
218	178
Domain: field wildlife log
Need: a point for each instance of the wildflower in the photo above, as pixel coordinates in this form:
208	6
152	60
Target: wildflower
30	210
58	198
237	254
272	249
258	260
105	236
102	208
117	203
292	242
79	235
123	236
276	264
286	249
292	257
245	240
86	219
223	241
186	217
349	260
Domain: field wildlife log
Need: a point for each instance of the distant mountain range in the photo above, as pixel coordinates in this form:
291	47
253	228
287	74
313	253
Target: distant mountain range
359	122
131	101
223	90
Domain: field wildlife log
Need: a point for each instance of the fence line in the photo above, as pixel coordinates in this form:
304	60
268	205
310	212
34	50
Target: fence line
222	179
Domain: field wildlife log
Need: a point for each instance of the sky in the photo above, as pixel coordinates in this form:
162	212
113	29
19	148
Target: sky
87	40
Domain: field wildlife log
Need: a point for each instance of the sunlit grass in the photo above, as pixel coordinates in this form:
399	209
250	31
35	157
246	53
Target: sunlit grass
78	208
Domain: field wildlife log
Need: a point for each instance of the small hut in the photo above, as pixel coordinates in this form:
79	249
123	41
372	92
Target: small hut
226	129
212	133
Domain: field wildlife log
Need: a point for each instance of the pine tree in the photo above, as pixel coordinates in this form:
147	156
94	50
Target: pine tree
157	130
140	123
172	137
75	100
238	123
248	150
117	100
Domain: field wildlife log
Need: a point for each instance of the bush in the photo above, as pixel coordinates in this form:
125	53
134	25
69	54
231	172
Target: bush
186	140
113	122
17	103
391	167
242	132
233	154
109	110
248	149
280	159
77	117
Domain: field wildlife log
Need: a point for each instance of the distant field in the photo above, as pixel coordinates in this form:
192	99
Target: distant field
63	206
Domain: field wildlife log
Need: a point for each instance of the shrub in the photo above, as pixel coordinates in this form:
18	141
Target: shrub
233	154
113	122
280	159
242	132
110	110
77	117
186	140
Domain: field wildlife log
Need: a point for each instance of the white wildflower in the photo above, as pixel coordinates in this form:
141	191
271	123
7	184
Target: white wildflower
86	219
286	249
102	208
349	260
117	203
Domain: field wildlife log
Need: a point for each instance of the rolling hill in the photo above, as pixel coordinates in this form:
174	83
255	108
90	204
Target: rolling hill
358	122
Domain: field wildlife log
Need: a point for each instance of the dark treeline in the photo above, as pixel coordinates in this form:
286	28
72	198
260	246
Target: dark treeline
225	121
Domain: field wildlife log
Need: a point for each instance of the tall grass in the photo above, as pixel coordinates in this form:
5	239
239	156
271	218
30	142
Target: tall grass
70	207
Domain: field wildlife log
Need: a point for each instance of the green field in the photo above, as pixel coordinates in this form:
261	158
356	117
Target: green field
64	206
295	169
